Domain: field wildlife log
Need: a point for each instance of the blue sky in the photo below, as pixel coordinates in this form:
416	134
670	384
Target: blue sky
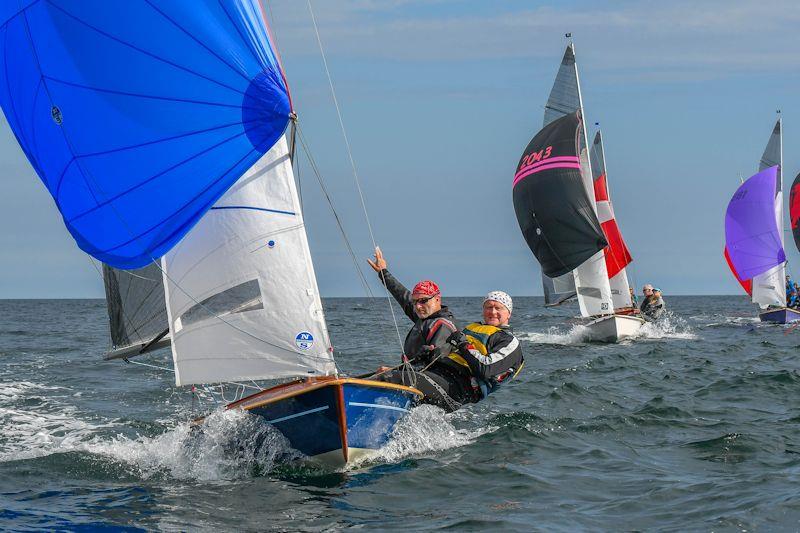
440	97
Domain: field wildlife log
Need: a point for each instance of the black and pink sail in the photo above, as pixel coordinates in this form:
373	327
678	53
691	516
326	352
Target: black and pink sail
553	208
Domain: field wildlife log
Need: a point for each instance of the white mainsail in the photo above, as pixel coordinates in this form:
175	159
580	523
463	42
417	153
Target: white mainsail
591	278
241	293
769	287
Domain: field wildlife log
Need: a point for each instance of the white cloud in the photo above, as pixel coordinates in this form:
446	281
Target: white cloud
718	38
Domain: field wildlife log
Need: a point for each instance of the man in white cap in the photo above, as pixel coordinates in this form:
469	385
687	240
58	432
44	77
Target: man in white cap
488	349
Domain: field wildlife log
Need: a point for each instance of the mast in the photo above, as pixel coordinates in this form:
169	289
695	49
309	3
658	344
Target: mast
591	276
769	287
780	173
589	190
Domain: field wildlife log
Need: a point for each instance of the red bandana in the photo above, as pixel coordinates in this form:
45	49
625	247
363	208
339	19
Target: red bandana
426	288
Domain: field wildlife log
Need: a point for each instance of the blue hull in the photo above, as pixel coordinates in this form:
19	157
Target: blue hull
335	420
781	316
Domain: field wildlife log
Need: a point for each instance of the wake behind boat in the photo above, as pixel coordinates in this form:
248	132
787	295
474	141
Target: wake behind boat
564	209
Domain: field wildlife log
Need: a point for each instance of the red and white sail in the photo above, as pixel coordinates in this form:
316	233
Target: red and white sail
617	256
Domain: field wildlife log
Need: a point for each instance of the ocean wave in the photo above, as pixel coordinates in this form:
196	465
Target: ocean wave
576	334
428	430
669	326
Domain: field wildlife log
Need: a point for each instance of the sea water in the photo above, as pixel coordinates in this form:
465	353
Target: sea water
691	426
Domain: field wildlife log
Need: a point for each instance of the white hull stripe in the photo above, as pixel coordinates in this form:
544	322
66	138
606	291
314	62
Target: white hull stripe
378	406
315	410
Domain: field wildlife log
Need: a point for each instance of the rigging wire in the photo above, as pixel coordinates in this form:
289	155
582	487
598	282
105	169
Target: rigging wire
352	164
327	195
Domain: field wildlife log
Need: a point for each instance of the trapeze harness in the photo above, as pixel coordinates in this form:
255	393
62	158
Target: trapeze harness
478	336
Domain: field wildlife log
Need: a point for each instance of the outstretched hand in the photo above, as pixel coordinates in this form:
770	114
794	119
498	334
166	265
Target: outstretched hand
379	263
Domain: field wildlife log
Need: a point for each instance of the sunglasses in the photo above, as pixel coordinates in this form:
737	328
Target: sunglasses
423	301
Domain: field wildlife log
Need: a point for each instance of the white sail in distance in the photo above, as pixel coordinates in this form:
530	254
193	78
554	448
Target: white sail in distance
241	292
769	288
591	278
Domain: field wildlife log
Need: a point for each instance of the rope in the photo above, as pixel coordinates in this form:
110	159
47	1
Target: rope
327	195
352	163
165	369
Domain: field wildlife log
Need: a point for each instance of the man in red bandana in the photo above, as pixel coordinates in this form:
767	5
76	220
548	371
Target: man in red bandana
425	346
433	322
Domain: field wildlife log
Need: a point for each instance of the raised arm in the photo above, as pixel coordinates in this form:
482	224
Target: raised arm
397	289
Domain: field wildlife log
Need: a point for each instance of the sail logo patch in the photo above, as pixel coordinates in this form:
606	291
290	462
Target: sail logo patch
304	340
55	113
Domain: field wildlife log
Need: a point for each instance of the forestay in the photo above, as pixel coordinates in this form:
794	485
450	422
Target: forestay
139	115
241	291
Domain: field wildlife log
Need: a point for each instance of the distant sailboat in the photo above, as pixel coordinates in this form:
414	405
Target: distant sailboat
587	280
161	133
754	235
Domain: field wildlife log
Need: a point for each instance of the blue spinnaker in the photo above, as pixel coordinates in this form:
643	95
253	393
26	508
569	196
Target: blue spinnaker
139	114
752	238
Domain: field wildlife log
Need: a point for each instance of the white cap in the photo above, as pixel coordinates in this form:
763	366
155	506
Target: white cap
503	298
647	286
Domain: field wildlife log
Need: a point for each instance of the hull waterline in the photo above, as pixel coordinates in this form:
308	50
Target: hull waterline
614	328
783	315
335	421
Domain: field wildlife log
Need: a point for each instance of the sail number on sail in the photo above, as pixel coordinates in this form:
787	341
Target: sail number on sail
535	156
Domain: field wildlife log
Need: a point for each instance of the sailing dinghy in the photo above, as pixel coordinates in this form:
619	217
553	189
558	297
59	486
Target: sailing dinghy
598	279
162	132
754	235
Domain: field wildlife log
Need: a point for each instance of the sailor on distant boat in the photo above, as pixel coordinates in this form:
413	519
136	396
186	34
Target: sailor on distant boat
634	301
653	304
